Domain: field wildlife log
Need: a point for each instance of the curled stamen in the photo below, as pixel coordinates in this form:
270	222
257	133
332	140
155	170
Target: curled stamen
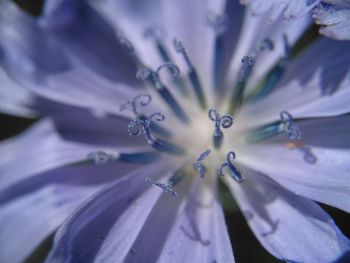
138	126
141	99
248	63
172	69
289	127
166	187
157	33
198	166
235	174
154	79
269	83
192	74
100	157
225	122
219	23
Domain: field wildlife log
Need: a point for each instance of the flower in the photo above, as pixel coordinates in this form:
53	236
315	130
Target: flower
255	101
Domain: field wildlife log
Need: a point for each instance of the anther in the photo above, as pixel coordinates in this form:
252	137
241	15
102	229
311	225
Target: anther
157	34
154	78
166	187
192	74
219	23
285	124
225	122
143	125
198	166
238	92
235	174
143	100
289	127
275	74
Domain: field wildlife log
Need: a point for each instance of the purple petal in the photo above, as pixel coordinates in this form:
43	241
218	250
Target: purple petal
107	225
291	228
25	50
334	16
84	34
324	180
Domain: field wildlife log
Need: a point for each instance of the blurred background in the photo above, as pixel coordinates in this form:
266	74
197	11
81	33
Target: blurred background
245	245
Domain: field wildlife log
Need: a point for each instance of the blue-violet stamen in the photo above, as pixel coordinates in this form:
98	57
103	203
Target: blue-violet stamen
235	174
225	122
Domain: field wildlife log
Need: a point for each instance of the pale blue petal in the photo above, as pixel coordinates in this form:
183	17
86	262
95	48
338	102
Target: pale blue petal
36	206
334	17
43	148
325	180
200	232
106	226
254	30
15	100
291	228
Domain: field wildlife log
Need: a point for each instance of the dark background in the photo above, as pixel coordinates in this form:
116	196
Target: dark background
245	245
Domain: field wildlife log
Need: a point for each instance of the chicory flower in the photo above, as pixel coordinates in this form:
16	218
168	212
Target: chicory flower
145	105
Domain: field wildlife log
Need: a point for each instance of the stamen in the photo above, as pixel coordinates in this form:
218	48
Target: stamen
143	125
238	92
286	124
154	79
157	33
166	187
219	23
176	177
225	122
235	174
192	74
198	166
143	100
292	130
275	74
264	132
